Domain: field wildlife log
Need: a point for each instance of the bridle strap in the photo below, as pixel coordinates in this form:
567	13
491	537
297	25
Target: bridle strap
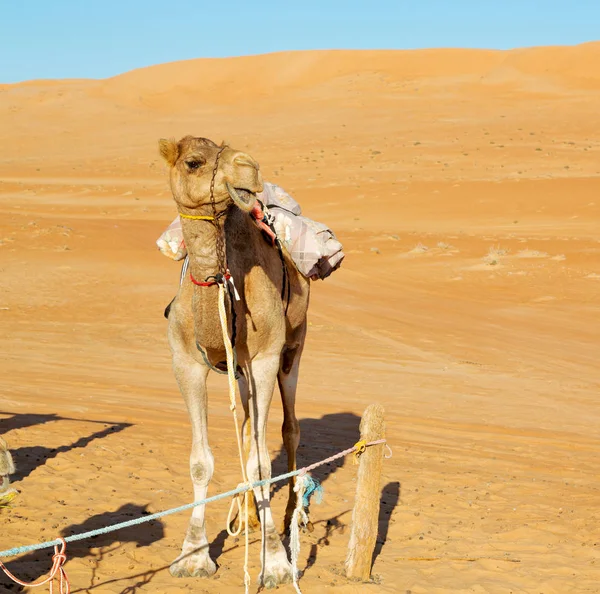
209	283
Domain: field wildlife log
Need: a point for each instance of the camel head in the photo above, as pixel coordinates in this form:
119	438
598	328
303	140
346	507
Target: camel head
192	163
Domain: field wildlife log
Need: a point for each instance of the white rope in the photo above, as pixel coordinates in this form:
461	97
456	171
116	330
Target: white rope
299	514
243	518
184	269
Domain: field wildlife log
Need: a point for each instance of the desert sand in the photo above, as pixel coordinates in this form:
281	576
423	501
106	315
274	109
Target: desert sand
464	186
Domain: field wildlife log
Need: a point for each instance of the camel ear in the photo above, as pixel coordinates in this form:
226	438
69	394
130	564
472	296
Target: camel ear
224	143
169	150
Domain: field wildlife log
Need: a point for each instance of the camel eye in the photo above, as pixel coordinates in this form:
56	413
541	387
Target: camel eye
193	164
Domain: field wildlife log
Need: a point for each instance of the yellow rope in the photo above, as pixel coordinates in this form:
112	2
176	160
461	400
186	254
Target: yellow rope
6	498
232	406
197	217
360	446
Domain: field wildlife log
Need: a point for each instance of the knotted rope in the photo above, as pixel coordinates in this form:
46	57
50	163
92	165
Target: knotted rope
299	515
58	560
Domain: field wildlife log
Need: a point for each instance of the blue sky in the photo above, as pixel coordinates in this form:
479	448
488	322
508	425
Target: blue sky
83	39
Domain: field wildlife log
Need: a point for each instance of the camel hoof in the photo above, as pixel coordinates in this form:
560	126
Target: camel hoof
288	522
198	565
277	576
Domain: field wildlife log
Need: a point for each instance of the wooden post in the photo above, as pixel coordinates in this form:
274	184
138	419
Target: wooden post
365	515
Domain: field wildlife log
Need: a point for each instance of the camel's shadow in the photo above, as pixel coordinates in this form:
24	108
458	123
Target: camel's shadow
20	420
319	439
28	458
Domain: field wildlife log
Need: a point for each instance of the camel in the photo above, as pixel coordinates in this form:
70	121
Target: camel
7	468
269	322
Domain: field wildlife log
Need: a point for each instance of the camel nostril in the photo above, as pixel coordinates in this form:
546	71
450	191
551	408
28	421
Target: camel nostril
245	161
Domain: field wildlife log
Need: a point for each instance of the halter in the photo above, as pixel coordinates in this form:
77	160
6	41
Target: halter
196	217
223	274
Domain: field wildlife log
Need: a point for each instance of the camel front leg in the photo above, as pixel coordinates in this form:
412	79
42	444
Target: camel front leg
194	560
276	569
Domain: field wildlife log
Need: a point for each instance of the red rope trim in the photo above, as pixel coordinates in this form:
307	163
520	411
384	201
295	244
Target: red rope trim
258	216
207	283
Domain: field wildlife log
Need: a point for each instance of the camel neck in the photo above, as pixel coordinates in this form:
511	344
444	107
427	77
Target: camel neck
201	242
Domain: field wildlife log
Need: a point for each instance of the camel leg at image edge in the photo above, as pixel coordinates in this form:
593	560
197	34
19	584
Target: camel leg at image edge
194	560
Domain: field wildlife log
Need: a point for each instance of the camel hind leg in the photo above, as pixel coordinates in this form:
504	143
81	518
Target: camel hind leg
287	379
276	568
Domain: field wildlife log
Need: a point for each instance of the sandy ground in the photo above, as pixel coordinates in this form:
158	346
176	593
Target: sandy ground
464	186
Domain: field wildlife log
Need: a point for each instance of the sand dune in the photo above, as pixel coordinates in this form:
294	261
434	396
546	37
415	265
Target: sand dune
464	186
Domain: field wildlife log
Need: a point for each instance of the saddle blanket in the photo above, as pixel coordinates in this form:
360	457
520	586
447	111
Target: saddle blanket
312	246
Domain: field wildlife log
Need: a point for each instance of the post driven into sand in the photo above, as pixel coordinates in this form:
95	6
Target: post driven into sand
366	505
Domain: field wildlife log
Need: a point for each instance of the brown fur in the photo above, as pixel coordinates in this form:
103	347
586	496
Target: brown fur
269	342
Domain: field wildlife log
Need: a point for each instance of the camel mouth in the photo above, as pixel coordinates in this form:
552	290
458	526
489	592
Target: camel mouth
4	482
242	198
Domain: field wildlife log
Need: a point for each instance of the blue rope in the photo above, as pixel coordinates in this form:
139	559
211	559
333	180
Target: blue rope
312	486
143	519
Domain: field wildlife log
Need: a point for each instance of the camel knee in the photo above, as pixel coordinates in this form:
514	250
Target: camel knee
201	467
201	473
